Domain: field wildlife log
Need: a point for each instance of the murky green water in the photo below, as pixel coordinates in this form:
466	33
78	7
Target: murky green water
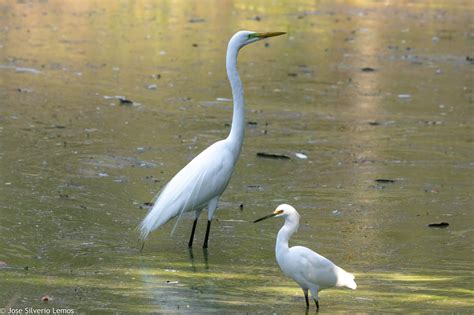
76	166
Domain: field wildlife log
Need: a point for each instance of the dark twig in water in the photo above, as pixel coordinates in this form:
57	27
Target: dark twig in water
439	225
374	123
124	101
272	156
384	180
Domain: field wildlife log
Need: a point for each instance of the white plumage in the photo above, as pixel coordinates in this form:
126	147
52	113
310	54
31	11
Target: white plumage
310	270
193	187
202	181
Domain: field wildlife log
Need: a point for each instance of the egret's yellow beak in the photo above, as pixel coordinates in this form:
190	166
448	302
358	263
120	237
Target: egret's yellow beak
269	34
276	212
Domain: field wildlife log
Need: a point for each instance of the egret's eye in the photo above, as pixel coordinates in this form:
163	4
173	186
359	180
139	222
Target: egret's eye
252	35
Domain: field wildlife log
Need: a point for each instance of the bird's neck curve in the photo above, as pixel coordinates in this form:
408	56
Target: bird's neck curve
236	134
289	228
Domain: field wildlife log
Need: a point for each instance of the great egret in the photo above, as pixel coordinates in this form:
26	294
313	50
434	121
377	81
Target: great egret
309	269
202	181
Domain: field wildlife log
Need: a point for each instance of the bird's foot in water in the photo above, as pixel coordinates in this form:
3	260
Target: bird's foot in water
317	305
306	298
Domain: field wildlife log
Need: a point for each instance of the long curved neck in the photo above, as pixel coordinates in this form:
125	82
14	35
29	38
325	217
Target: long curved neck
289	228
236	134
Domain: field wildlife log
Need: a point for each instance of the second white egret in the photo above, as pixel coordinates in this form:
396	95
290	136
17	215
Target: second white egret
203	180
310	270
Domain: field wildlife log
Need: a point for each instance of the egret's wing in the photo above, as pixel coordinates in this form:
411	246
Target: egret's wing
318	268
329	274
205	177
192	197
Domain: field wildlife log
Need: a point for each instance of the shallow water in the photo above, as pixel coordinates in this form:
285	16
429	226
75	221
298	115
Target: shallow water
76	166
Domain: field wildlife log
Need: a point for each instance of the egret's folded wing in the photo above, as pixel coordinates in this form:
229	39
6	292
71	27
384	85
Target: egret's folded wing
205	177
320	269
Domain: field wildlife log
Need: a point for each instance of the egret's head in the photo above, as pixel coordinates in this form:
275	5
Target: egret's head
243	38
283	211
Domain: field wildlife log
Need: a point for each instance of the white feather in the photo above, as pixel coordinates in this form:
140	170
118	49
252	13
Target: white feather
205	178
310	270
202	179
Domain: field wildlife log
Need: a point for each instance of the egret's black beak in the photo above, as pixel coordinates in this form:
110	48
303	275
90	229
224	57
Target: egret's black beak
265	217
276	212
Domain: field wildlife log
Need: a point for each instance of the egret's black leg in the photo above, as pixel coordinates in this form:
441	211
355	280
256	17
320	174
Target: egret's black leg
317	304
306	298
141	248
190	244
207	234
191	258
206	258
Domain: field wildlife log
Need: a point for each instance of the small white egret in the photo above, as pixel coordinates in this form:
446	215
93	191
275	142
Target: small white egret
202	181
310	270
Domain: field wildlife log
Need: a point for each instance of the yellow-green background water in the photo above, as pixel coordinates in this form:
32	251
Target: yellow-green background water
76	166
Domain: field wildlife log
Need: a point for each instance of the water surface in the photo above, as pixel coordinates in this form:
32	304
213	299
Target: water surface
77	166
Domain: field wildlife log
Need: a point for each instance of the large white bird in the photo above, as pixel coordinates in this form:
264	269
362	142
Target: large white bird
203	180
310	270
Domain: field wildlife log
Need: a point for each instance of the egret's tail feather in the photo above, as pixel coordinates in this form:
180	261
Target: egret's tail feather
146	226
158	215
144	231
192	196
350	283
345	279
167	203
155	218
